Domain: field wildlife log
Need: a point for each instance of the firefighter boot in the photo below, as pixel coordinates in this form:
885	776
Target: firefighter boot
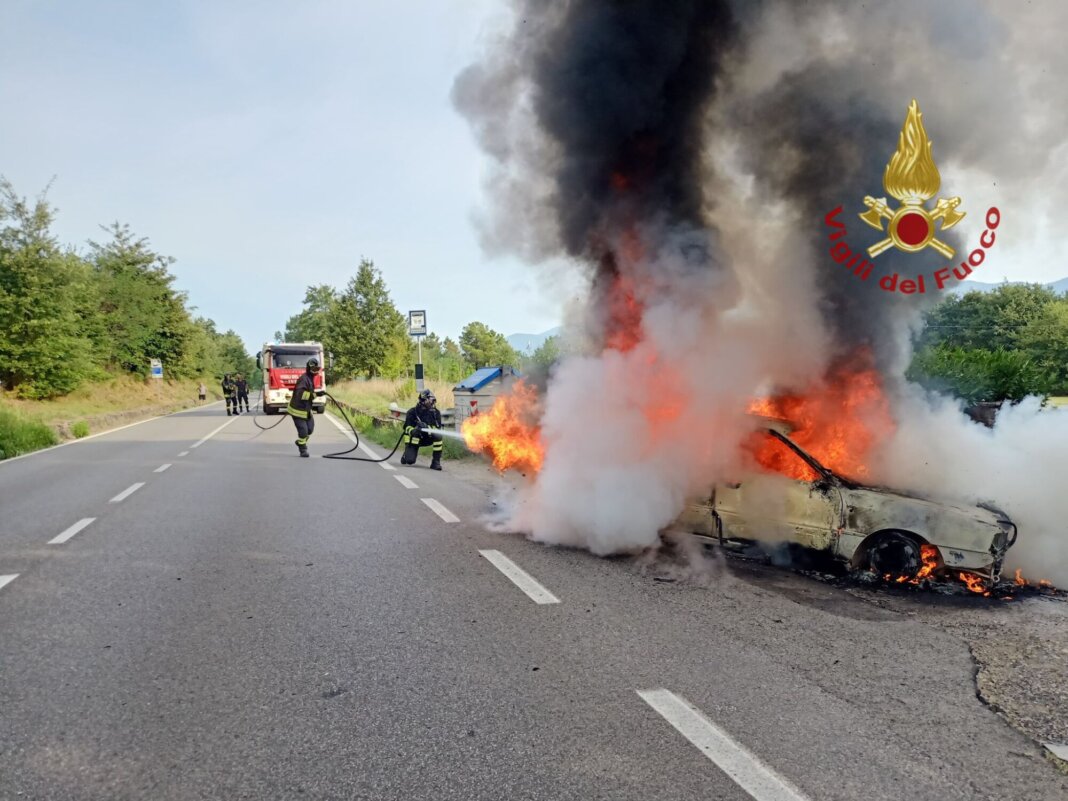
435	462
410	453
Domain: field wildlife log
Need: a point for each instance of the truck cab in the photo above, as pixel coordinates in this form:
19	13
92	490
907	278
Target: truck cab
282	364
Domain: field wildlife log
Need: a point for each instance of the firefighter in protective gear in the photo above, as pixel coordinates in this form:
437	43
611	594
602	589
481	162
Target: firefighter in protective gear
229	389
422	416
300	405
242	392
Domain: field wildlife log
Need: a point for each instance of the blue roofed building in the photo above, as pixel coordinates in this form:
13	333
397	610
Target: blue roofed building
477	392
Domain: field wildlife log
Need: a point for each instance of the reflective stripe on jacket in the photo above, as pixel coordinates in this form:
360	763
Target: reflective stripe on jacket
300	405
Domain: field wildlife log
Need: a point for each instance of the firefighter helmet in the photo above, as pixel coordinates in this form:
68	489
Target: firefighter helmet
313	365
426	396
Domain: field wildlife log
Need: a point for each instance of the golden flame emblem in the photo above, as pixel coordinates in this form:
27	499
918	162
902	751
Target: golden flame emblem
912	177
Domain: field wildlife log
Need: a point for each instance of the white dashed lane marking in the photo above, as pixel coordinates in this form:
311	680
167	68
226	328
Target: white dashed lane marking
126	493
70	532
406	482
8	578
184	453
520	578
741	765
441	511
348	433
201	441
161	468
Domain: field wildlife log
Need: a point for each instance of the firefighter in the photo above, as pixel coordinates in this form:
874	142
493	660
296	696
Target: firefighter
229	389
242	391
422	416
300	405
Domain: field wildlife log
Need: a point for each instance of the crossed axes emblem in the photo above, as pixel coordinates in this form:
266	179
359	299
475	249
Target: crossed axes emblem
919	224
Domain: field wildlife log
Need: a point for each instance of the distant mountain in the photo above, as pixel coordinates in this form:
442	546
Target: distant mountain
528	343
965	287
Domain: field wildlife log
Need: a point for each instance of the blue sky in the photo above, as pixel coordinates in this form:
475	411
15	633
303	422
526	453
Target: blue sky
266	146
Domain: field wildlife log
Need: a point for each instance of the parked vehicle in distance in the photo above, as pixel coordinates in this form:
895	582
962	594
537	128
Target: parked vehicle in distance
282	364
873	528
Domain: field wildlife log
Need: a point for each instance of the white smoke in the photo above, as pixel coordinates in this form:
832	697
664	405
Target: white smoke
1019	465
631	435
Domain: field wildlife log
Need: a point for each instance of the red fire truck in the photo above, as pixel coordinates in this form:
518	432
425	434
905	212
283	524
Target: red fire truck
281	364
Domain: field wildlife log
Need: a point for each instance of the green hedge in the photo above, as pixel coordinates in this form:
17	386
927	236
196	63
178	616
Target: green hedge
19	435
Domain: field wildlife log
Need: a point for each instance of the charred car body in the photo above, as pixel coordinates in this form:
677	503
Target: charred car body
870	528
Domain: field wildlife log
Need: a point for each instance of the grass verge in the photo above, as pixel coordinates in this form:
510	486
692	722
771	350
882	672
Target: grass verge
375	394
91	408
19	435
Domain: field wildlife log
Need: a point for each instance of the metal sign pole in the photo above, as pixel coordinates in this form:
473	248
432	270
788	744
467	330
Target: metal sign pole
417	329
419	365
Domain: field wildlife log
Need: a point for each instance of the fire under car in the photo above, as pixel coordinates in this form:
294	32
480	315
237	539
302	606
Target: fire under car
896	535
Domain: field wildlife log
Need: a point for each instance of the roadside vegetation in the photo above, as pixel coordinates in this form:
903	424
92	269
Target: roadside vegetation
368	337
996	346
79	329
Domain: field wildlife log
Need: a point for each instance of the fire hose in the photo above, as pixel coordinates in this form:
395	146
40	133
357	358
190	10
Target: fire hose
355	433
259	405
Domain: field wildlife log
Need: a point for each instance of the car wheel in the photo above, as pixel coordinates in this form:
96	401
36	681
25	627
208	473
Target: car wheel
895	554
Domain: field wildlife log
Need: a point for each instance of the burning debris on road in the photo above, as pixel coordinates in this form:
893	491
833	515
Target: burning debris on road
685	156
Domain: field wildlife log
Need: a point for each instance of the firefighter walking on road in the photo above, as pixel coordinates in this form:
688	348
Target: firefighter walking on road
300	405
242	391
422	416
229	389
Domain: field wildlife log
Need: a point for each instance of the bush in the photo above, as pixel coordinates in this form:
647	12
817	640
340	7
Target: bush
977	375
80	429
19	435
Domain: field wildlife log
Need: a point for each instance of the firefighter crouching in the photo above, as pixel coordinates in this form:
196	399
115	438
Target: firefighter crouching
300	405
423	415
229	388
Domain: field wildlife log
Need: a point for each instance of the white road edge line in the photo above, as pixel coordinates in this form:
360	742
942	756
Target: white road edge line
364	448
200	442
100	434
183	453
740	764
70	532
520	578
440	510
126	493
407	482
161	468
8	579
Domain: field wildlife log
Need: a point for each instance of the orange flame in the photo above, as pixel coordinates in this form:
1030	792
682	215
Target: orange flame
838	422
931	563
508	432
974	584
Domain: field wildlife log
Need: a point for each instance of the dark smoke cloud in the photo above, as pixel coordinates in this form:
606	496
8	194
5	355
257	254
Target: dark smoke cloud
619	91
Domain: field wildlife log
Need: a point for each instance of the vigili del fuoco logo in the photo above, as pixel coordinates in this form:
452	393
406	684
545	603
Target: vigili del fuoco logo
912	178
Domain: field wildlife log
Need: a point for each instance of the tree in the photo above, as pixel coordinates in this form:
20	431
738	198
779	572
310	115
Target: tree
46	303
483	347
142	316
546	354
980	318
1045	339
978	375
311	324
366	332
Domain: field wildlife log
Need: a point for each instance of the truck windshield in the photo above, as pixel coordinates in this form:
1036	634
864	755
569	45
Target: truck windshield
292	359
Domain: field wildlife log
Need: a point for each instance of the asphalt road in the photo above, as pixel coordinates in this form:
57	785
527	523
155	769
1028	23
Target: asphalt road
252	625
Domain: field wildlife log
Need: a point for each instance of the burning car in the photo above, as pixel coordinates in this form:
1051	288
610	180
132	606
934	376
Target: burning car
898	536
